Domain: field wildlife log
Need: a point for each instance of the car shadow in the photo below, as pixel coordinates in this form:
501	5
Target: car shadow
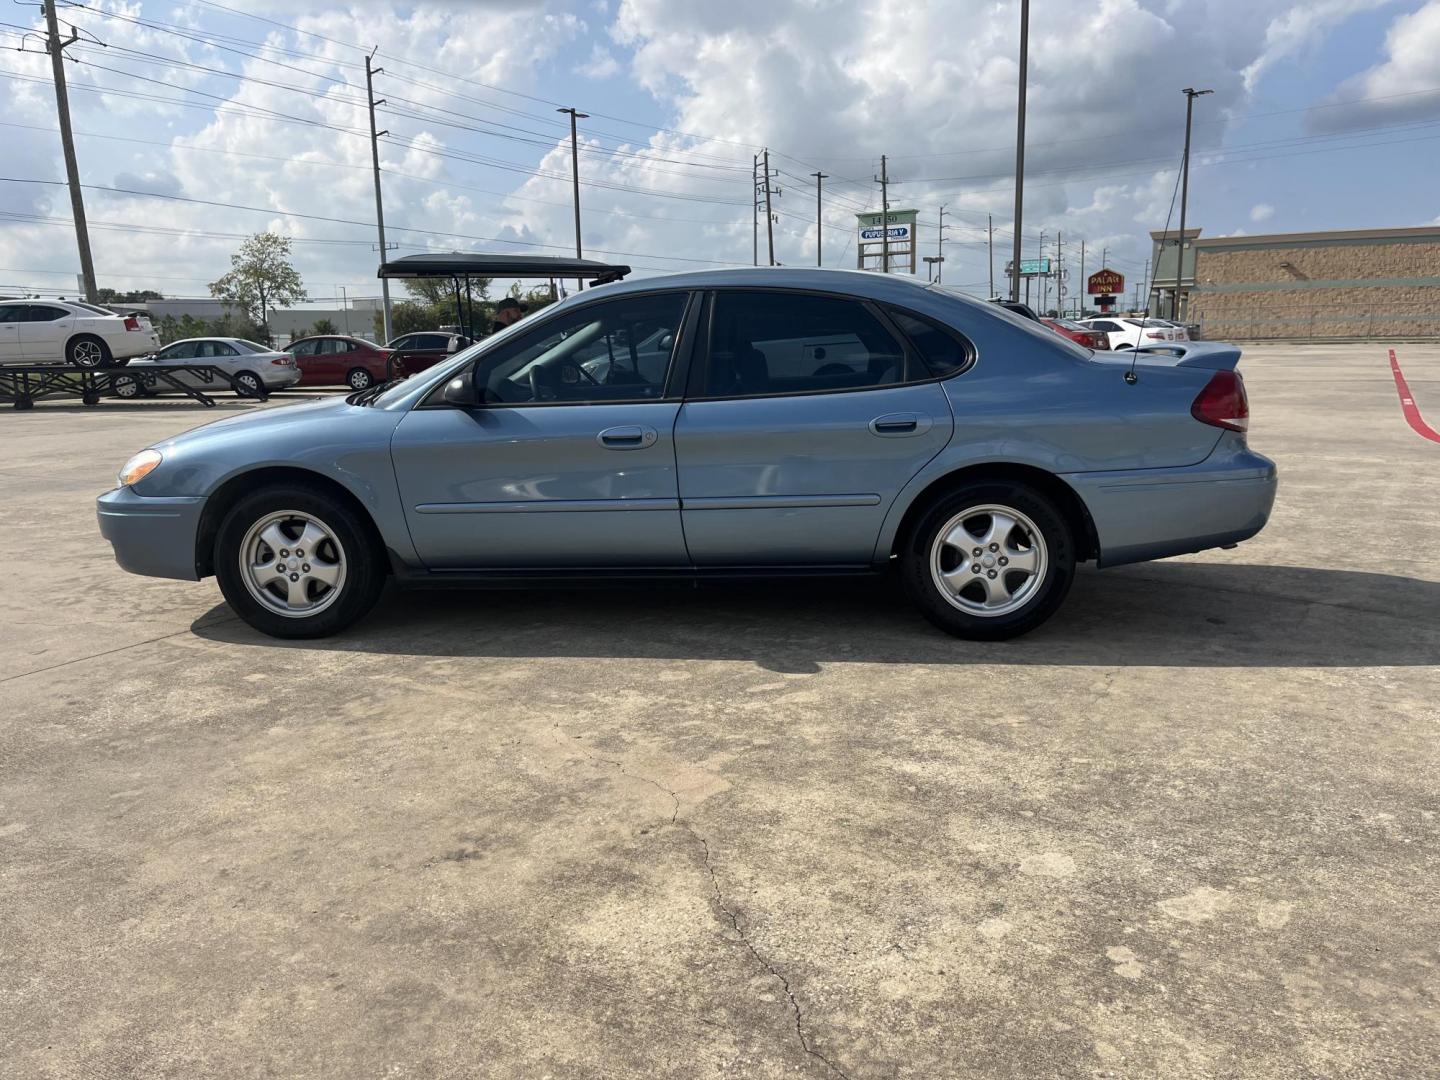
1166	614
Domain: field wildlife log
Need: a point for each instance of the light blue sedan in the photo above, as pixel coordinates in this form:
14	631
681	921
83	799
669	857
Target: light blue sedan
720	424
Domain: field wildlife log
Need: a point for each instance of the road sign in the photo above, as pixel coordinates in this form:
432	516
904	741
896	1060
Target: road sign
1105	281
894	230
1029	267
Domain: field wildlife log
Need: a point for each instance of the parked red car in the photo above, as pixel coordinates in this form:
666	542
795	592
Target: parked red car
421	350
1081	335
337	360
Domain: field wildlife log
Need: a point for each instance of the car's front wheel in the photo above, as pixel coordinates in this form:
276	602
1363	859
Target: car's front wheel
989	561
296	562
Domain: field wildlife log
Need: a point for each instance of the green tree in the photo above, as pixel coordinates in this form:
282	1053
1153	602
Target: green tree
261	277
441	291
408	317
134	296
324	326
169	329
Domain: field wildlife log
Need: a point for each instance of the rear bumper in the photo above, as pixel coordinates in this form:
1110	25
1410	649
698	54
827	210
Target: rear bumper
279	378
154	537
1155	513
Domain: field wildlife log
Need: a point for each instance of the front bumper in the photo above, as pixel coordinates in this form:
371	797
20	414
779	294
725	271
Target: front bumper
154	537
1146	514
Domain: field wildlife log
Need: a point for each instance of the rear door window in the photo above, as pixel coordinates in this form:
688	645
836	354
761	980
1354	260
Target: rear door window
765	343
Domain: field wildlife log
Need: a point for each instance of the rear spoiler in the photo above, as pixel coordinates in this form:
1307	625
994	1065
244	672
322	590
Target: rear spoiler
1211	355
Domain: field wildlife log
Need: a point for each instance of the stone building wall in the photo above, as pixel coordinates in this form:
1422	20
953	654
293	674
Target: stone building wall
1337	285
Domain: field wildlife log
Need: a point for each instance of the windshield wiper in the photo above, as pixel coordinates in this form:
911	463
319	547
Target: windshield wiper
370	393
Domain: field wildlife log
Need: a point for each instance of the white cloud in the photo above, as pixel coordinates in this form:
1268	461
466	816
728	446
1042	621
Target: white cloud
1302	27
1400	88
601	64
1261	212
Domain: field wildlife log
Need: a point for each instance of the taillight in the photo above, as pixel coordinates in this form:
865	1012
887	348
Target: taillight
132	323
1156	337
1223	403
283	361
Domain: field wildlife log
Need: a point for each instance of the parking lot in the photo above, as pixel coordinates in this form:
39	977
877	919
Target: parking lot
1188	828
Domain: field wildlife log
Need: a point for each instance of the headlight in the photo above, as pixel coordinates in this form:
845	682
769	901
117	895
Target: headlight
138	467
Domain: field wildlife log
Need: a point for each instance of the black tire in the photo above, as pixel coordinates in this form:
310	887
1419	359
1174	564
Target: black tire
88	351
1041	597
249	385
359	379
363	557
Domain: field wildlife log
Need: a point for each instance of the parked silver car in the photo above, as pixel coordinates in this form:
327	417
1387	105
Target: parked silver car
253	368
710	425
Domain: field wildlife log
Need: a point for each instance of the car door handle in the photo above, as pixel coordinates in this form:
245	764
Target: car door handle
900	425
627	438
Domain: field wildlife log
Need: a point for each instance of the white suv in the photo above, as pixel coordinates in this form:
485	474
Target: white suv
71	332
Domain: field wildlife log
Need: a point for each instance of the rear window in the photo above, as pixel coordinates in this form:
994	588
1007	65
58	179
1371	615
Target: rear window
942	352
91	307
249	346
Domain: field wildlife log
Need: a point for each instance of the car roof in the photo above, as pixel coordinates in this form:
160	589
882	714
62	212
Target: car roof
867	284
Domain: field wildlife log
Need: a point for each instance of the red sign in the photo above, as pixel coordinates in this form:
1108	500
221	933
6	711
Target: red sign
1105	281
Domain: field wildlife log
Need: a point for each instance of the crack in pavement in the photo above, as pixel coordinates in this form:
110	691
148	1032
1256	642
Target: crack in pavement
770	968
731	916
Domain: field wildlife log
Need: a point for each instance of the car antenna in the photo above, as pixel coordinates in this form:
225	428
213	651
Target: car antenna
1130	377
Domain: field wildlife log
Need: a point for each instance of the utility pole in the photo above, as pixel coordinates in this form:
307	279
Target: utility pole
990	248
819	217
56	48
1190	95
940	246
370	74
1043	285
575	178
1020	146
884	181
769	214
1059	275
1084	288
345	307
755	210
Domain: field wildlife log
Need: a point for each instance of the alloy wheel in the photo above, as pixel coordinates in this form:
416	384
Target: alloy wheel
292	563
988	560
88	354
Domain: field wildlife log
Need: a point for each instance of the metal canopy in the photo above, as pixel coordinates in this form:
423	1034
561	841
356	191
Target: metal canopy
481	264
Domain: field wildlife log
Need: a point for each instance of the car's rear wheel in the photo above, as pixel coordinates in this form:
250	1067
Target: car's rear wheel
989	561
248	384
359	379
87	351
296	562
126	386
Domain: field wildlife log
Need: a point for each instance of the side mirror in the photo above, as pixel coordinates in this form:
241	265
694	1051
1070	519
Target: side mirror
453	345
460	390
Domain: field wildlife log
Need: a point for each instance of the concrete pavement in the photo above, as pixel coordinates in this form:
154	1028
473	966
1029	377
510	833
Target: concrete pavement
1187	829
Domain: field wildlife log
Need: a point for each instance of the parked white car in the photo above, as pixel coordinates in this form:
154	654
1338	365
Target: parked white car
1182	332
1126	332
71	332
252	366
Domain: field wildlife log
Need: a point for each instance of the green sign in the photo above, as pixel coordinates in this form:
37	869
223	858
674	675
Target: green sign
896	217
1034	266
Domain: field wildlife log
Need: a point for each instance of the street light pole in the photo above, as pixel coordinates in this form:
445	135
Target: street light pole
1190	95
1020	147
575	176
370	73
940	246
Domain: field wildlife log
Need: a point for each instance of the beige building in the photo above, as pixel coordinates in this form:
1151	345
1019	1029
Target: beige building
1363	283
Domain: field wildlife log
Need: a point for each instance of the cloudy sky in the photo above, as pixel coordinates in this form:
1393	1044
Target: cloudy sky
199	122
